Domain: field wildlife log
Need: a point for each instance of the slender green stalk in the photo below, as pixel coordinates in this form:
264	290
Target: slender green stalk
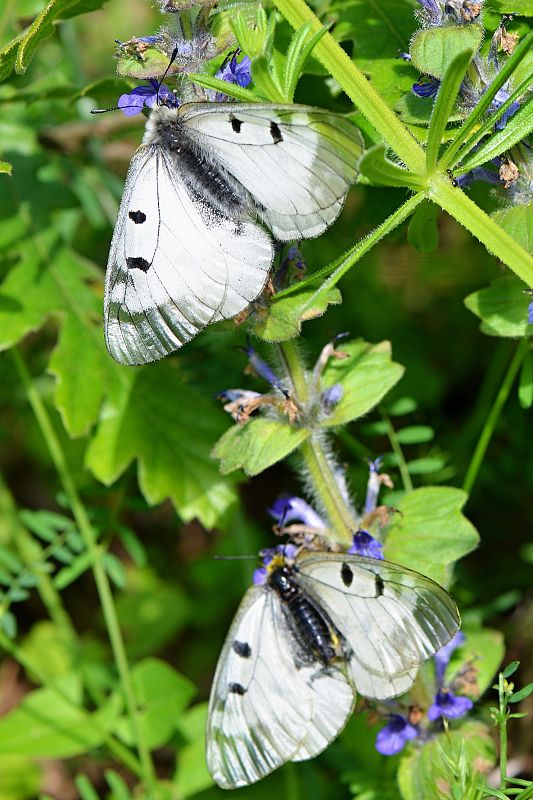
492	418
397	450
117	748
102	583
318	465
502	725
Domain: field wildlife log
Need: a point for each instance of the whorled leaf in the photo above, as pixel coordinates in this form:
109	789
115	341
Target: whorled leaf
501	307
430	533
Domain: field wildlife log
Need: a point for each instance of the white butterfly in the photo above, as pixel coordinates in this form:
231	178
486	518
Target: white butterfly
188	248
323	627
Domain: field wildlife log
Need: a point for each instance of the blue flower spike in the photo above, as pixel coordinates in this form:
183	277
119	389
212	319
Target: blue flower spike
394	736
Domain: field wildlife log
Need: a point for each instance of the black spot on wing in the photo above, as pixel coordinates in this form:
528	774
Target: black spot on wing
380	586
138	217
275	132
235	124
242	649
138	262
346	575
236	688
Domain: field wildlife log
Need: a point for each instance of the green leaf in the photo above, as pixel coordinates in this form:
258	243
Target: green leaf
43	26
20	778
148	417
484	649
283	318
444	105
525	383
510	669
151	613
50	723
365	376
502	307
428	766
423	232
298	52
430	533
434	49
162	695
257	445
521	694
377	168
516	128
518	222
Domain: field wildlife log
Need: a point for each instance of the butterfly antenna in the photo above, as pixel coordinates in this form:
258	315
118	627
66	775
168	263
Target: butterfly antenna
160	83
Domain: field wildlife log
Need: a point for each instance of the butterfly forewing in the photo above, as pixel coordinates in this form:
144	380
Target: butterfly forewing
391	618
175	263
297	162
267	705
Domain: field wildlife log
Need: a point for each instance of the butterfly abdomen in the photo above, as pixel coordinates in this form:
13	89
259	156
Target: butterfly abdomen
314	631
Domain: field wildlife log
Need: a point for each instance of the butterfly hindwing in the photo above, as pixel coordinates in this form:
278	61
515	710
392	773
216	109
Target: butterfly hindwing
297	162
175	263
267	705
391	617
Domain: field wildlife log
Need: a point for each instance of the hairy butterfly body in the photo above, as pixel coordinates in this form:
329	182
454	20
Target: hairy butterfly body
188	247
322	627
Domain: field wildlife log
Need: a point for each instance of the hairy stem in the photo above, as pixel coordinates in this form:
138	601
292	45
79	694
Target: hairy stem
89	537
494	414
318	465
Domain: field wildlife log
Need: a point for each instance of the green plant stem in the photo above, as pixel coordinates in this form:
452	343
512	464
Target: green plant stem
399	139
102	583
318	465
117	748
502	725
492	419
397	450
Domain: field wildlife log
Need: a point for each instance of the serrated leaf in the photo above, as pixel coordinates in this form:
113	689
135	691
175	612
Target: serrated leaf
365	376
162	695
169	428
525	383
502	307
257	445
425	766
433	49
49	723
380	171
518	222
283	318
422	231
430	533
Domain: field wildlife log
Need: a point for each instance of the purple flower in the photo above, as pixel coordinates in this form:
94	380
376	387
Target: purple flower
146	96
394	736
449	705
288	509
428	89
365	545
288	551
442	656
234	71
331	397
261	367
